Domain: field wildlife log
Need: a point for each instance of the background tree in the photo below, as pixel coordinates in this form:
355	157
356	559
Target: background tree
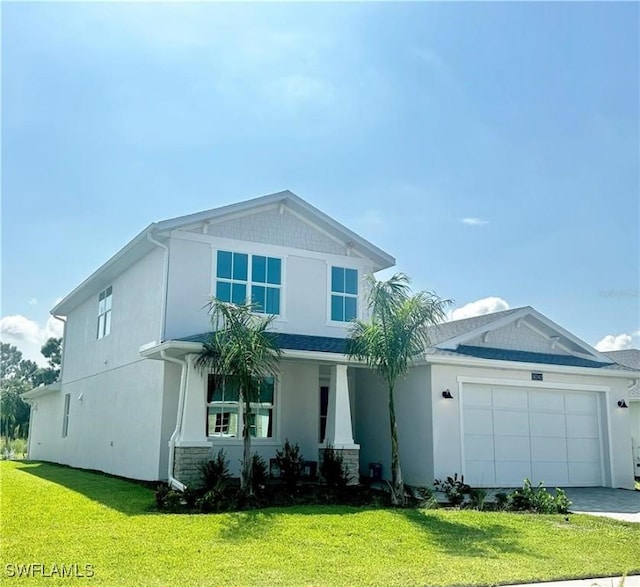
243	353
394	336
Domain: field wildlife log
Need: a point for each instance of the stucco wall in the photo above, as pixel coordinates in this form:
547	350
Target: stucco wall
634	418
304	297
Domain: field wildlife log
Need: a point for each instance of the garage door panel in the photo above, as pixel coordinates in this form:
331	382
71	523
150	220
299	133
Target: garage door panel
547	425
512	448
478	395
510	423
552	450
580	402
583	450
550	473
547	401
584	474
478	421
509	398
512	473
582	426
479	448
480	474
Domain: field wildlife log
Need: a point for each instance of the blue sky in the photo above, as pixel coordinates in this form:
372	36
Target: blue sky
399	120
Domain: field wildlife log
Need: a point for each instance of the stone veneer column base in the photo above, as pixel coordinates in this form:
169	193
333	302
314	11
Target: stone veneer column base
350	462
187	461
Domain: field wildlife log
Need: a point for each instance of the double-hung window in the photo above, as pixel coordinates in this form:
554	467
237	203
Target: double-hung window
240	277
104	312
225	410
344	294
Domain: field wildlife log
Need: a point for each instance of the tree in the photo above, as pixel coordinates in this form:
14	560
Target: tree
243	353
52	350
394	336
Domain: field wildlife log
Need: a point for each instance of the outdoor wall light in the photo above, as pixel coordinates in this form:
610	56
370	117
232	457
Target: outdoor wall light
446	394
622	404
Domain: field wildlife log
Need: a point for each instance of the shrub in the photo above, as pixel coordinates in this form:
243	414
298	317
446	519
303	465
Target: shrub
478	498
291	465
455	489
214	471
332	469
425	498
538	500
213	500
168	499
502	500
259	472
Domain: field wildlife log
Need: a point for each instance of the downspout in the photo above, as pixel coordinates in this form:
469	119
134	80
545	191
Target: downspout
173	482
165	285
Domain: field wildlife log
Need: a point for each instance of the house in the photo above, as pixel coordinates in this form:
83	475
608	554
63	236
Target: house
527	398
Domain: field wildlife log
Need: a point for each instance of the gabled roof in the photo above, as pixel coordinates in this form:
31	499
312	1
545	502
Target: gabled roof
628	357
457	337
140	246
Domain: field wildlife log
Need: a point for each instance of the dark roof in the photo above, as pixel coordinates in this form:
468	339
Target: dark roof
628	357
297	342
524	357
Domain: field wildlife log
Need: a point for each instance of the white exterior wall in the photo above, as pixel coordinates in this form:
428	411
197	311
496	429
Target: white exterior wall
447	447
412	400
304	299
297	415
634	417
116	401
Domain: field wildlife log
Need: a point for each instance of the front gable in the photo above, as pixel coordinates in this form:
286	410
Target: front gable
520	333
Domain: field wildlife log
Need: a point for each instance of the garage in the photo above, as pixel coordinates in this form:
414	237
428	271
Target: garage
511	433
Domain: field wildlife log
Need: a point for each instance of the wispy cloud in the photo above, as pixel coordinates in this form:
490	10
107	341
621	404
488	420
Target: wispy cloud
33	302
471	221
615	342
28	335
480	307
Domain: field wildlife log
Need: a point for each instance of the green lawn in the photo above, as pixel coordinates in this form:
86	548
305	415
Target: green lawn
54	515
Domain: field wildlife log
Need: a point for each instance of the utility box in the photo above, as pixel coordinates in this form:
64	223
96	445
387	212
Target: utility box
375	471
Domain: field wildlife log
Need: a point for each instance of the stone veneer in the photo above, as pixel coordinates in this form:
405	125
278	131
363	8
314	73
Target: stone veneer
187	461
350	462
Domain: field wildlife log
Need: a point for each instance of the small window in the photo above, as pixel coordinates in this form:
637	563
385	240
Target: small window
324	410
65	415
344	294
104	312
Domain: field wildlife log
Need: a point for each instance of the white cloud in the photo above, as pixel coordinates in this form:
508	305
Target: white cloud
613	342
28	335
479	308
474	221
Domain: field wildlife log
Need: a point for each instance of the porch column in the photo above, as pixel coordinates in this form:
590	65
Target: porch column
339	430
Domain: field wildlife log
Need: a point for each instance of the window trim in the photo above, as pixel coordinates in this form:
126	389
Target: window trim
103	327
238	439
65	415
249	283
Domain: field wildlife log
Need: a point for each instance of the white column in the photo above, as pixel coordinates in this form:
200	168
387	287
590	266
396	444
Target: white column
193	431
339	432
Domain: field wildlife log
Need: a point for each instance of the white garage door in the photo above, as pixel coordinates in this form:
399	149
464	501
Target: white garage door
513	433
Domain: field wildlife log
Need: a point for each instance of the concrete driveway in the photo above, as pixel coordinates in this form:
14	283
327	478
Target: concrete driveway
619	504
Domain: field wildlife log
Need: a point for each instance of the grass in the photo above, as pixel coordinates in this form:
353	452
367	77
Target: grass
56	515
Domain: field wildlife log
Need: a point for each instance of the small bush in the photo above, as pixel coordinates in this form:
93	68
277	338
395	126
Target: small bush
291	464
214	498
538	500
168	499
455	489
502	501
478	498
425	498
332	469
214	471
259	472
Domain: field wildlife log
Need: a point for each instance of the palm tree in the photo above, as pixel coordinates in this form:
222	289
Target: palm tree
394	336
243	352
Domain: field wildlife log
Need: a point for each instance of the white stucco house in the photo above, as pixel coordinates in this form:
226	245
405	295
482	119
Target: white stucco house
498	398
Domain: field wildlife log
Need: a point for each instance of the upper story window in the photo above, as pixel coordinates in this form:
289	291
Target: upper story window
344	294
240	277
65	415
225	410
104	312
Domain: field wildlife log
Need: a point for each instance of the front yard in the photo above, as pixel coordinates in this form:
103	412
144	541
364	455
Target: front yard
57	516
